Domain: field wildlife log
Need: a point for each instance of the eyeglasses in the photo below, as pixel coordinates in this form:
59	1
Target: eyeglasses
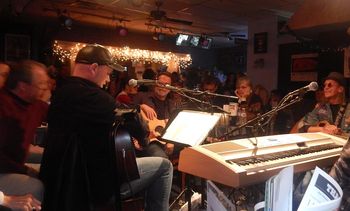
328	85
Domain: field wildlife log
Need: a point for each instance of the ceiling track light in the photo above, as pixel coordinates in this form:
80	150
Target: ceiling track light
65	20
121	28
122	31
158	36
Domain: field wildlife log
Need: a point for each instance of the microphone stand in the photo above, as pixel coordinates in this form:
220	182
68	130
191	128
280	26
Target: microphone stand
183	91
285	102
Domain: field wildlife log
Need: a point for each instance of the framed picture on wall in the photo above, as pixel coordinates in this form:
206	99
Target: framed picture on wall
304	67
17	47
260	42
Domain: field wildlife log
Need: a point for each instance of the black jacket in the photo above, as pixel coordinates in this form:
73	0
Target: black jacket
78	166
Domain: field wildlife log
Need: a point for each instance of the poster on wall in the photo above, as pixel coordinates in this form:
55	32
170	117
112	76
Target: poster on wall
346	62
17	47
303	67
260	42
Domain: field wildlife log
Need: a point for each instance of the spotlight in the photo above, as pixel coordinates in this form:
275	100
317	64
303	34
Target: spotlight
122	31
158	36
66	22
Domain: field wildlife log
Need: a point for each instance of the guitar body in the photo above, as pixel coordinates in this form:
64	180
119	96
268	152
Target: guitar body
155	126
125	154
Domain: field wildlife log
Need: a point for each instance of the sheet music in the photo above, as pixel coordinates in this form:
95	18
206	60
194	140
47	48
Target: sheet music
322	194
191	127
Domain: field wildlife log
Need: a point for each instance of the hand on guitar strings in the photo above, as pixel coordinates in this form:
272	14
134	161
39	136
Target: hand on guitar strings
149	111
169	148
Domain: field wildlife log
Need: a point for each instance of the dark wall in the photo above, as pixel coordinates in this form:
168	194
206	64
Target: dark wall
43	33
328	60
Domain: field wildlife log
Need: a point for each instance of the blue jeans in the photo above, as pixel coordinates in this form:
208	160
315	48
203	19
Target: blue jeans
156	175
21	184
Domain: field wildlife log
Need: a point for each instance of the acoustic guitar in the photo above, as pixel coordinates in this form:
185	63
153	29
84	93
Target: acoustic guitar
125	154
155	126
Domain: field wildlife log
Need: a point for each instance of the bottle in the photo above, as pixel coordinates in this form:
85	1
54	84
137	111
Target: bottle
242	118
243	115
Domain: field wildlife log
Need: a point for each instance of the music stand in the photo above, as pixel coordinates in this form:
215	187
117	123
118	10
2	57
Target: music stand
191	127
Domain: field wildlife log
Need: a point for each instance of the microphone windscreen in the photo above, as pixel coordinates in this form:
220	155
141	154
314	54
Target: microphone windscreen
313	86
132	82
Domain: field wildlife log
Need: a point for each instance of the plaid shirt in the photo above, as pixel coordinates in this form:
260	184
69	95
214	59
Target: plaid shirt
341	173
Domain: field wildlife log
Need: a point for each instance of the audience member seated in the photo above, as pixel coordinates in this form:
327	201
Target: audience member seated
332	116
127	93
341	173
78	165
4	72
21	112
18	202
147	74
282	122
262	92
247	99
212	84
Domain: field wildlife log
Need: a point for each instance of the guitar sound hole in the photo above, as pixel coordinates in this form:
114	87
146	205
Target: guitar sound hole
159	129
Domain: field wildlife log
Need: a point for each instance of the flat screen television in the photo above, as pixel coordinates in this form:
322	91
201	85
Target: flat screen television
193	41
183	40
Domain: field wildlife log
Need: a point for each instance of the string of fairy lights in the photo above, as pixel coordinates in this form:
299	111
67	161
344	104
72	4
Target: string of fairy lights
122	54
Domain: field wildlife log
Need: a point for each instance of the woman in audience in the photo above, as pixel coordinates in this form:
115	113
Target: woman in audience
247	99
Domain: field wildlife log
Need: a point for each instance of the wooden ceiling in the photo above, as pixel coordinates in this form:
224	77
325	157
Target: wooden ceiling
212	17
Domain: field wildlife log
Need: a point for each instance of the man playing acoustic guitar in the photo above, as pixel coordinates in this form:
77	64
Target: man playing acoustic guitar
333	116
156	108
78	165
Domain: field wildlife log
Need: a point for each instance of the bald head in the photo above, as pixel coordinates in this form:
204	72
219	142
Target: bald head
98	74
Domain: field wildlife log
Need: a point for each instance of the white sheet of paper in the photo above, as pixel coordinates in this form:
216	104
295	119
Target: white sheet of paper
191	127
322	194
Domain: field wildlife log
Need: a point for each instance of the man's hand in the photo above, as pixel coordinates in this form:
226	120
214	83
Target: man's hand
169	148
149	111
22	203
331	129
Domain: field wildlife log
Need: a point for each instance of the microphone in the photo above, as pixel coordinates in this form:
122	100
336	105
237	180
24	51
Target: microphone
146	82
313	86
